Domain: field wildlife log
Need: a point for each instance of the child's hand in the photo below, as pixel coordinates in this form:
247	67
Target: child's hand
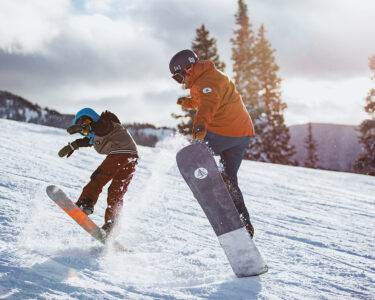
68	150
74	129
85	129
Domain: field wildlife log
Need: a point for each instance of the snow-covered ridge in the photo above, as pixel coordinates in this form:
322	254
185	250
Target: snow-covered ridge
314	228
16	108
13	107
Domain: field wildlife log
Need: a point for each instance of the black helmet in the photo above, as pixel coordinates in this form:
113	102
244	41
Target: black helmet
181	62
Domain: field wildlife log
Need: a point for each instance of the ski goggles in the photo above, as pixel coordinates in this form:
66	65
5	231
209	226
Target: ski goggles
180	75
84	121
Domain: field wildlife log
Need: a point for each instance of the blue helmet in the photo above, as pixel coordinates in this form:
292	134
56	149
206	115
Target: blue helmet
87	113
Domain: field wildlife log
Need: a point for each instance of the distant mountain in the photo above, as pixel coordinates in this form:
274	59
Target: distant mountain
338	145
16	108
146	134
13	107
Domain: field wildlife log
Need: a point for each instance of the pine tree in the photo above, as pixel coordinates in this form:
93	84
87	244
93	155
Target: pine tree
365	162
243	58
311	145
206	49
274	134
245	79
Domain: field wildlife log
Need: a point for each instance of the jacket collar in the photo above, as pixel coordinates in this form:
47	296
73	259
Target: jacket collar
200	68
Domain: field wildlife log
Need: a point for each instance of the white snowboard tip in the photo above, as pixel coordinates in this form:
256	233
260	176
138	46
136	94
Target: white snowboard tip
244	257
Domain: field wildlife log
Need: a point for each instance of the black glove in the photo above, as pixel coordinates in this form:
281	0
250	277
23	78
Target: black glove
199	132
68	150
85	129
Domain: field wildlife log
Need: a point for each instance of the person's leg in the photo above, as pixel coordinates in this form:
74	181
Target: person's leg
217	143
239	203
101	176
117	190
231	160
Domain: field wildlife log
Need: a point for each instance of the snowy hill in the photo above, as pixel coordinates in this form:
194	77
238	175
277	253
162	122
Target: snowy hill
13	107
314	228
16	108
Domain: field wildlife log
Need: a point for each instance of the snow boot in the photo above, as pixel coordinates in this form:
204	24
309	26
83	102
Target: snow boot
238	201
86	205
107	228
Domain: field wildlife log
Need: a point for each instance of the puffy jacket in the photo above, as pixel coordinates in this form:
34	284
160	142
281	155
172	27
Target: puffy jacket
116	141
220	107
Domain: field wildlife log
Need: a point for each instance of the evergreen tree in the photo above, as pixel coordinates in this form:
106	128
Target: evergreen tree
274	134
312	157
243	57
365	162
245	79
206	49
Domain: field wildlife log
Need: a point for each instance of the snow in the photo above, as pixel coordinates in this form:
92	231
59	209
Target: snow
314	228
29	114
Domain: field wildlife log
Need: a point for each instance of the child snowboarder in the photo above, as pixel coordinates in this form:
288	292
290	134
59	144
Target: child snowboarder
110	138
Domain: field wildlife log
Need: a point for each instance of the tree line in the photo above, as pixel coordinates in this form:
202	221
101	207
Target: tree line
365	163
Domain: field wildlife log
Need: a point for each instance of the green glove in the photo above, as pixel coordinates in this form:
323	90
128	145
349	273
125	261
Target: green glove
85	129
68	150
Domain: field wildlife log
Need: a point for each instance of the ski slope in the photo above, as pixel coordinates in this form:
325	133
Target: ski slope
315	229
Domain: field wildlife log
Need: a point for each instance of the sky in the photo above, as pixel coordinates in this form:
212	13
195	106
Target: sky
113	54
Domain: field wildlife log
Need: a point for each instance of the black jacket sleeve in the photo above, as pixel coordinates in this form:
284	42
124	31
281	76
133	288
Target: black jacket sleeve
85	142
105	123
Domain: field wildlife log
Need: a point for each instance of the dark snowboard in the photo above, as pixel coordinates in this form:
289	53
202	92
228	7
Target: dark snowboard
199	169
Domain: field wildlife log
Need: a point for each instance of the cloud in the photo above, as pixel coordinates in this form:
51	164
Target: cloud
65	54
319	39
28	26
326	101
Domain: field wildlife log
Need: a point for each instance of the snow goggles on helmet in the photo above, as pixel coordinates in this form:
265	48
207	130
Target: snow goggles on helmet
84	120
180	75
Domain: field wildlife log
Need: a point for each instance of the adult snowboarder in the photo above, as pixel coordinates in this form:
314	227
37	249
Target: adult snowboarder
221	121
110	138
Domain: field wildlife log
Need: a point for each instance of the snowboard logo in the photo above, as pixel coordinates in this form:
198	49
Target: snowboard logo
200	173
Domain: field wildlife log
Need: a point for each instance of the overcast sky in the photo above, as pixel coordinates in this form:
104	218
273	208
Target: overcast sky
114	54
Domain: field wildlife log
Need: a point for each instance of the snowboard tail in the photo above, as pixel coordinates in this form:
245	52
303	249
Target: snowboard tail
199	169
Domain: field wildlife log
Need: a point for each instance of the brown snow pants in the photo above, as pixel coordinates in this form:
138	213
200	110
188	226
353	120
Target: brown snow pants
116	167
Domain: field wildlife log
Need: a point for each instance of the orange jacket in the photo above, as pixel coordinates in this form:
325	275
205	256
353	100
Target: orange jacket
220	107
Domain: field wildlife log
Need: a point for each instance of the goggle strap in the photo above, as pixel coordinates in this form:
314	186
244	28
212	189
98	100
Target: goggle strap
187	70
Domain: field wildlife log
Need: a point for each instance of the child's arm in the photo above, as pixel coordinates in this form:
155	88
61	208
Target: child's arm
69	149
105	123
